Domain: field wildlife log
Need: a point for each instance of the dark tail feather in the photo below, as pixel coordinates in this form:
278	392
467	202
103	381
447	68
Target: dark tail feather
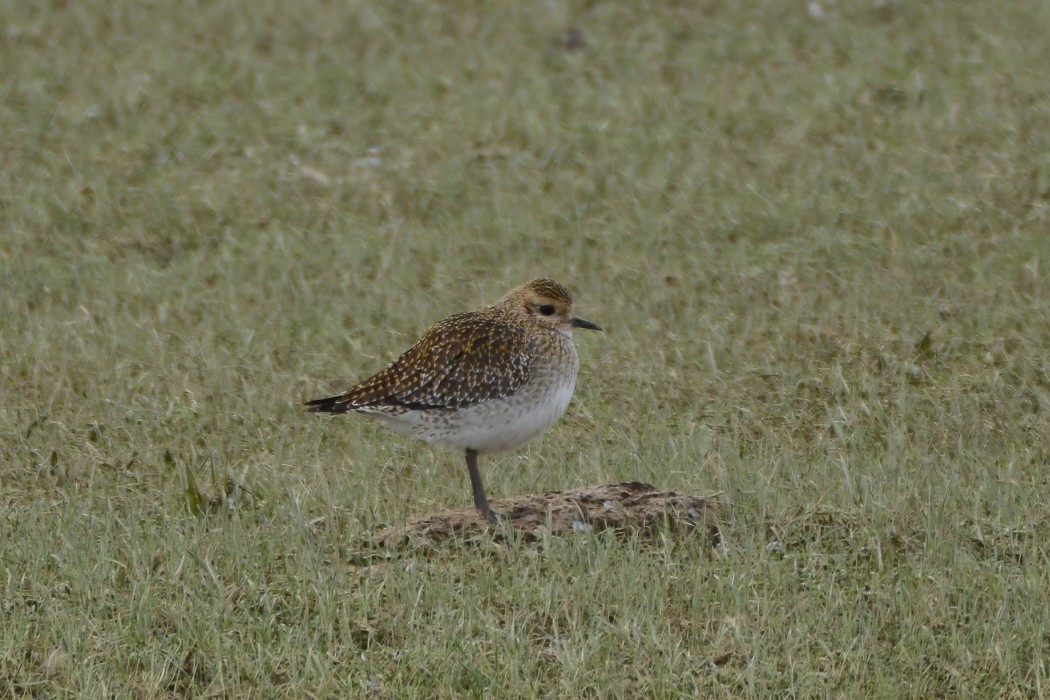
332	404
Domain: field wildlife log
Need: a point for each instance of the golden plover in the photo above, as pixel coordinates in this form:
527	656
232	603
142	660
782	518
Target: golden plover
480	382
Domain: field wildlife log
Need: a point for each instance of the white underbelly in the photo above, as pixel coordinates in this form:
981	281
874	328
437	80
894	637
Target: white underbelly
496	425
497	428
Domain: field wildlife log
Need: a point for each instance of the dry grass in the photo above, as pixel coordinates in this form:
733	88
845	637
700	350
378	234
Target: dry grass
818	245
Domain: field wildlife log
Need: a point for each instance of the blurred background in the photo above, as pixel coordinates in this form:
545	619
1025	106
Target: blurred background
814	232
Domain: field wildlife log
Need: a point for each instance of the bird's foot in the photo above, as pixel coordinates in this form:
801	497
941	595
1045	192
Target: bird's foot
496	517
492	516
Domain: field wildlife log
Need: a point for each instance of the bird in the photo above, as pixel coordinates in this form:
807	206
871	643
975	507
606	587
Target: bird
479	382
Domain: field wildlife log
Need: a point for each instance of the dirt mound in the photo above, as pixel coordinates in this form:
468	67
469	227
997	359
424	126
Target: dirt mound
630	506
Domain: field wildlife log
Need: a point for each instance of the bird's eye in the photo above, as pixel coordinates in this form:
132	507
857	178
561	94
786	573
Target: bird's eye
546	309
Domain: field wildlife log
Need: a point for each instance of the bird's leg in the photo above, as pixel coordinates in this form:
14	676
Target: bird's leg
480	502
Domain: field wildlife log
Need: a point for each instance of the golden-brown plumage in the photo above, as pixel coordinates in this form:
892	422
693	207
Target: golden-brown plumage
482	381
464	359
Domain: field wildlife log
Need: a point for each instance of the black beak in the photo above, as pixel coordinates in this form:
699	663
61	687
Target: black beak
583	323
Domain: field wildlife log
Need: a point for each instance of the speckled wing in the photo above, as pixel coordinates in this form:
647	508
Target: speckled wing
462	360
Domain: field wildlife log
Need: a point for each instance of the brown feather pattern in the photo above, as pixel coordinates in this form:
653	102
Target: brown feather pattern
464	359
479	382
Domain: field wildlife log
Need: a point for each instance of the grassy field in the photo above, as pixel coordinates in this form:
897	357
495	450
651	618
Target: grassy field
817	238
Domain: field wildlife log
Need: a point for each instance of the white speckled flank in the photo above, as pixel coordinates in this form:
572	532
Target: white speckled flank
479	382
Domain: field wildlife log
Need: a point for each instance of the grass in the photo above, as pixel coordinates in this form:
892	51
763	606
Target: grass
818	245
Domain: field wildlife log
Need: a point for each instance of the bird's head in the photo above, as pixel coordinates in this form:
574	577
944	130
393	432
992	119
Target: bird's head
547	302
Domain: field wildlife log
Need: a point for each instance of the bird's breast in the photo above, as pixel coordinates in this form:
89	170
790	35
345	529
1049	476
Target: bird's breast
502	423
